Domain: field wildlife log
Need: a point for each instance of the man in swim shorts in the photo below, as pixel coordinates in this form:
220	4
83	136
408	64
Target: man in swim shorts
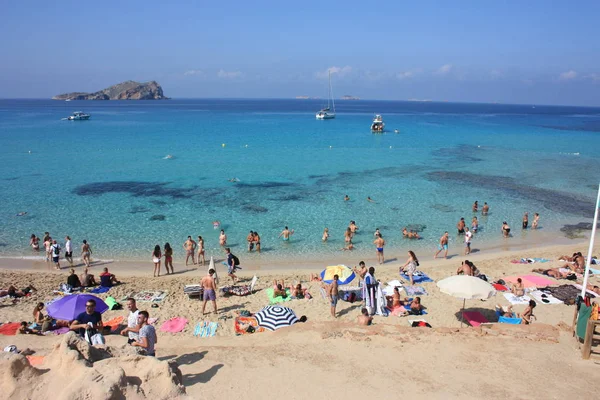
210	290
334	294
460	226
286	233
525	220
55	250
486	209
379	243
468	236
189	246
443	245
250	240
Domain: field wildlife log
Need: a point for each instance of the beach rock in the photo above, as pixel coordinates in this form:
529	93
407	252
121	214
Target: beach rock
575	231
75	370
129	90
158	217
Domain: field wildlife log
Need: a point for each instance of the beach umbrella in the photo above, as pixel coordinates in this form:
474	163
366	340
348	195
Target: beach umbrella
69	307
211	265
275	317
345	274
467	288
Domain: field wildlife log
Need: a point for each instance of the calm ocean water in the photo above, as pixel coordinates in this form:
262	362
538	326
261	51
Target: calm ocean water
107	179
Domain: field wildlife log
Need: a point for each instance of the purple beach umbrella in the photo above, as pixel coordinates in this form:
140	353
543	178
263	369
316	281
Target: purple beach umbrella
69	307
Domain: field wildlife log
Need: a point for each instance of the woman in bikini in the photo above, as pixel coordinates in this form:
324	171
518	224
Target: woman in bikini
34	242
169	258
223	238
505	229
348	236
256	241
325	235
528	313
201	250
86	252
518	288
156	256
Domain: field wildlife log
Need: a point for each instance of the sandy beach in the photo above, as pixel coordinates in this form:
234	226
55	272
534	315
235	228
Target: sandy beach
335	355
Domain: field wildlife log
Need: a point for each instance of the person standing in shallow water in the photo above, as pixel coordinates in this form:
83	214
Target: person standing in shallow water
201	251
443	246
460	226
169	258
156	256
525	220
475	206
379	243
86	252
222	238
486	209
68	250
536	219
189	246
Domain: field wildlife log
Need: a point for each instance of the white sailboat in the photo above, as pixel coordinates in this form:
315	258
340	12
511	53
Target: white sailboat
327	113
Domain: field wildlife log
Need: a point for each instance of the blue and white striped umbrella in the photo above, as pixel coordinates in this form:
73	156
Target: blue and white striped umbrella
275	317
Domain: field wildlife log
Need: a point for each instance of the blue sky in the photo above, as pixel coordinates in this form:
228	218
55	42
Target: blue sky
512	51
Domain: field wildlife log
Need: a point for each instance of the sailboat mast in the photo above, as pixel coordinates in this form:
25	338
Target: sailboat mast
331	93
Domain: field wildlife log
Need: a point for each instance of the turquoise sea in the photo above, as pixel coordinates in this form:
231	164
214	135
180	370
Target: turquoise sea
107	179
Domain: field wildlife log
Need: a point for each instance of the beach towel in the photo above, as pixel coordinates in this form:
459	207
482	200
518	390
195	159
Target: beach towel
278	299
347	290
407	307
174	325
99	289
415	291
240	290
543	298
418	277
529	260
240	325
114	323
35	360
582	320
530	280
112	303
523	300
150	295
499	287
565	293
381	302
412	322
61	331
389	290
475	318
205	329
10	328
370	294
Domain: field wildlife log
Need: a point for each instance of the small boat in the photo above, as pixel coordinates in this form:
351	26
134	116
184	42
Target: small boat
378	125
327	113
79	116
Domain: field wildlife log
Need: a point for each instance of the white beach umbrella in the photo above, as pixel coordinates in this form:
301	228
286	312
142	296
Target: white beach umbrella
275	317
211	265
467	288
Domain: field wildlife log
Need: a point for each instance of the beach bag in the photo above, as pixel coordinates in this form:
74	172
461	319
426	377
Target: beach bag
65	287
93	337
56	250
236	261
352	297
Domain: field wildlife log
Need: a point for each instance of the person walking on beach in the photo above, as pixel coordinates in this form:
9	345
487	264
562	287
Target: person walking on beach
333	294
486	209
222	238
201	251
379	243
156	256
68	250
410	267
536	219
256	241
505	229
525	220
468	236
460	226
169	258
285	234
55	250
86	252
209	290
232	263
443	245
189	246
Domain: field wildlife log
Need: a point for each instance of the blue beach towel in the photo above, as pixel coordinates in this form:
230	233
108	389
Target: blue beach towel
99	289
205	329
417	278
424	312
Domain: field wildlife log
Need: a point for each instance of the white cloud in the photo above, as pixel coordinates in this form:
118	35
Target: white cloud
567	76
594	77
340	71
405	75
444	69
229	74
193	72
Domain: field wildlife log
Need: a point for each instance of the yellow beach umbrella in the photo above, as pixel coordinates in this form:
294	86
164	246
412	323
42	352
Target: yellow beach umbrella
345	274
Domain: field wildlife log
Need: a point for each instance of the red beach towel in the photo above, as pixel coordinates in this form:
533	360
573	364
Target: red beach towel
499	287
475	318
35	360
174	325
10	329
114	323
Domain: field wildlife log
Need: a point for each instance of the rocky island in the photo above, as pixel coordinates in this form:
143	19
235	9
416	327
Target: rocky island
129	90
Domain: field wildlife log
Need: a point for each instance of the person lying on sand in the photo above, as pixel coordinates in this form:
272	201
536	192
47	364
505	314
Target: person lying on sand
279	289
315	278
14	293
505	311
528	313
297	292
364	318
594	288
416	308
556	273
25	330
